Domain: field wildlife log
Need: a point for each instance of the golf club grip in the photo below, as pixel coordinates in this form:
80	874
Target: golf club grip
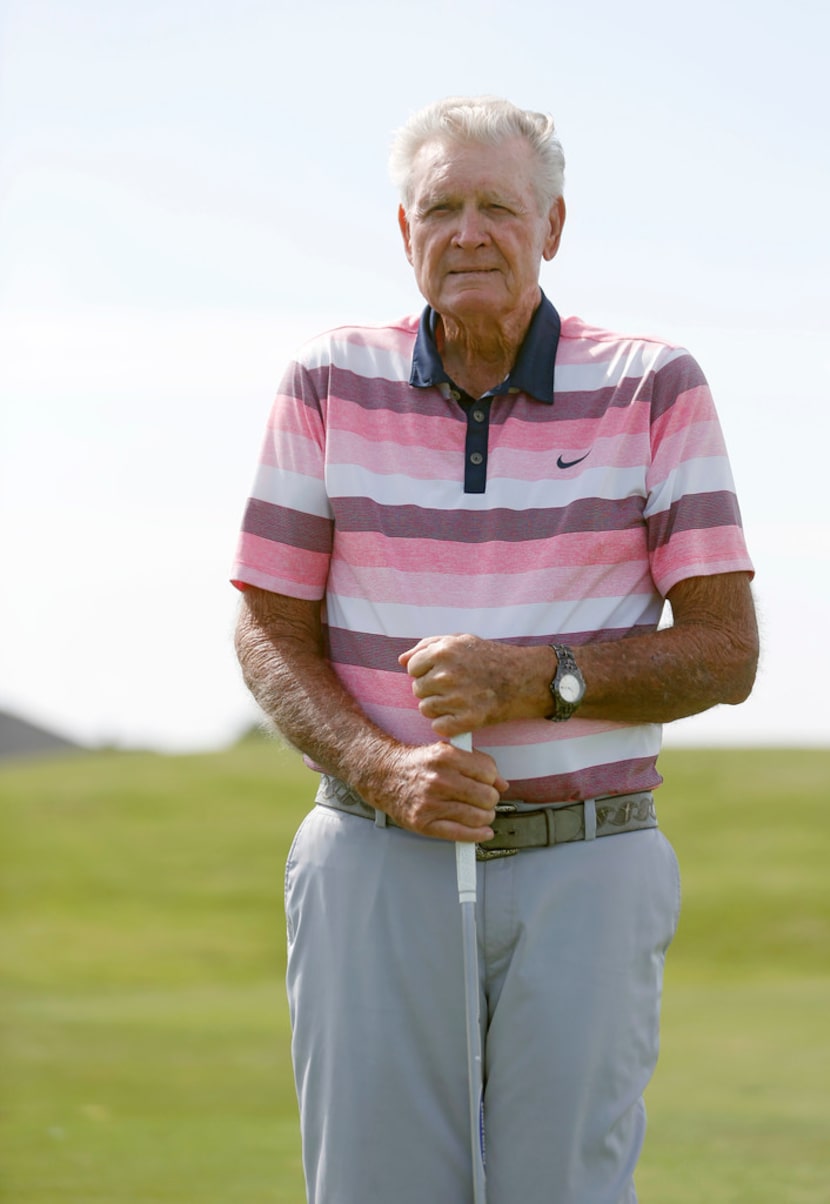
465	853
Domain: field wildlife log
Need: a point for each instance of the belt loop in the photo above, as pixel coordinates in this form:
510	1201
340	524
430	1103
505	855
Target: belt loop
380	818
590	806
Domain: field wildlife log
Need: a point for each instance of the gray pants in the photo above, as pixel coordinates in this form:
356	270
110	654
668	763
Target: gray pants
572	943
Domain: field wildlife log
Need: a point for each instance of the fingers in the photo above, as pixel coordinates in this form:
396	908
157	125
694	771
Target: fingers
473	826
492	779
421	658
451	683
432	648
476	779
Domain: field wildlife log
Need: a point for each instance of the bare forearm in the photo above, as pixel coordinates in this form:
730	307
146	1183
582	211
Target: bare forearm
296	688
708	657
662	676
434	789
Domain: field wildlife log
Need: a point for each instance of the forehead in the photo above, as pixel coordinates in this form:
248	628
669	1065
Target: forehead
448	166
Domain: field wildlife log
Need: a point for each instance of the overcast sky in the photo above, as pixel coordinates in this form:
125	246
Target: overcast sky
189	189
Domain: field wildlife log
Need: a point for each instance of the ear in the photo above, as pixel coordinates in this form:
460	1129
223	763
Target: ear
403	223
556	220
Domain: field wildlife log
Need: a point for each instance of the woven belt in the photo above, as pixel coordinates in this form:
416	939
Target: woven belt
515	829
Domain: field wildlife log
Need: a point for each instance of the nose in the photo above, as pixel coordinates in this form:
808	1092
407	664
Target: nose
471	227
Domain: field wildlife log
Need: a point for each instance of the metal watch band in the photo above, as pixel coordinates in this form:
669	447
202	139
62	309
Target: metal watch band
565	665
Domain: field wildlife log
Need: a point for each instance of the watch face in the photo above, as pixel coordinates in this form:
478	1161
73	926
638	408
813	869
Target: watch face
569	688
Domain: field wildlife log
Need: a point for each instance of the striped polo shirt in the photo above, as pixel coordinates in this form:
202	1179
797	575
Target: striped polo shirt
560	507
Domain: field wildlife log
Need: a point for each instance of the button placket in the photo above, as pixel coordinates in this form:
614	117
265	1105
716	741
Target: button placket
475	449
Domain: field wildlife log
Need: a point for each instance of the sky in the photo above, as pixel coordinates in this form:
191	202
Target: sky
189	190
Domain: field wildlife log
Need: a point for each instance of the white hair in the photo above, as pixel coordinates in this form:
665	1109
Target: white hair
482	119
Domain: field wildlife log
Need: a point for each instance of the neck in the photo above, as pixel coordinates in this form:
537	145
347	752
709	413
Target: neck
479	355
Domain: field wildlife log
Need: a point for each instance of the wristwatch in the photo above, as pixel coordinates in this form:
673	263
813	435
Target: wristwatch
568	686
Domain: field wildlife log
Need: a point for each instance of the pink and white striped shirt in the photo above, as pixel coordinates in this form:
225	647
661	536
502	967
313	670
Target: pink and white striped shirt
603	486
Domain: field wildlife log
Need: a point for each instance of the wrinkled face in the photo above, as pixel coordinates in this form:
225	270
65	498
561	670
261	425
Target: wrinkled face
474	233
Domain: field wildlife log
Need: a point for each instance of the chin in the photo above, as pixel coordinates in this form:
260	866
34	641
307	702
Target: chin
475	302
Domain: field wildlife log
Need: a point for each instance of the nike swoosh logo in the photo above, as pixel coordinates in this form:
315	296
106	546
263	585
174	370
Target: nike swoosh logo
560	463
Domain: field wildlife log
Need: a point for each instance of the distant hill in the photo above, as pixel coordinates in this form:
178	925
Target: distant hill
19	738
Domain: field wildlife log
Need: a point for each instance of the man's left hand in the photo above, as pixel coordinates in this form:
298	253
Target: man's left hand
464	683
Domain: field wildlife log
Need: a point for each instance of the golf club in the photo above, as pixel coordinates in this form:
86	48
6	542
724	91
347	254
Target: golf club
465	866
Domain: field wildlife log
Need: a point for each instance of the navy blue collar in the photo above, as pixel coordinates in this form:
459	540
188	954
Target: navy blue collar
532	372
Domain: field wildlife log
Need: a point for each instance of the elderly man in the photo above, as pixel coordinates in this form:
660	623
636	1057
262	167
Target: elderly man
470	521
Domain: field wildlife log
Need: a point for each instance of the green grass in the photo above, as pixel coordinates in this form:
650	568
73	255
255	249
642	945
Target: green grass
145	1036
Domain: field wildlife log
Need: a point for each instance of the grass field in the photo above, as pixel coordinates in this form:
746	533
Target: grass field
145	1036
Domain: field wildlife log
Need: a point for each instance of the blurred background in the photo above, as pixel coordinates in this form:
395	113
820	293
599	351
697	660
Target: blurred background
189	189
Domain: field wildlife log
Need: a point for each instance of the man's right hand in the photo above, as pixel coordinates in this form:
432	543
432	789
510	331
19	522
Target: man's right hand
439	790
436	789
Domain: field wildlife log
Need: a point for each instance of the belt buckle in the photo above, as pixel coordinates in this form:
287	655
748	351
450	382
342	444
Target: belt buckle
494	854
